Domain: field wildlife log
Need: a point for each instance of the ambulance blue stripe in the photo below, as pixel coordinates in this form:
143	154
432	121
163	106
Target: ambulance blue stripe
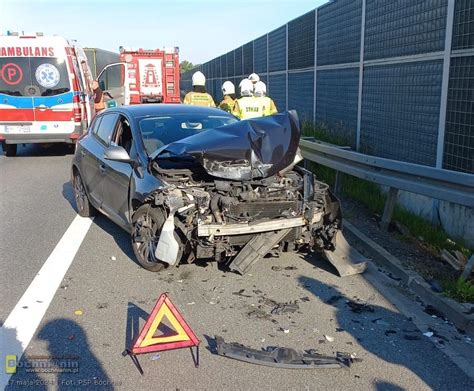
26	102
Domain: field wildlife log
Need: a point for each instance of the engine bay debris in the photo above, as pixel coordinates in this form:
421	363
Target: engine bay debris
235	195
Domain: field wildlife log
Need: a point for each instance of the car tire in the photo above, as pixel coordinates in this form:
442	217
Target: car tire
83	205
10	149
147	223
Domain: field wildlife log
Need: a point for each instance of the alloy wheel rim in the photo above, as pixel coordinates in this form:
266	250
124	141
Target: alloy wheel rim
79	193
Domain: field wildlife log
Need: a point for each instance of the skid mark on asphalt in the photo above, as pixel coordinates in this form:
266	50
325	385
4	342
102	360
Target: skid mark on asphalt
30	309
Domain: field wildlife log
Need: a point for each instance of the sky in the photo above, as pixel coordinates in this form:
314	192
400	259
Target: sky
202	29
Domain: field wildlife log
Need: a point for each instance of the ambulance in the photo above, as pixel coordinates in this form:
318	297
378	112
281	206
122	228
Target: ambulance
45	90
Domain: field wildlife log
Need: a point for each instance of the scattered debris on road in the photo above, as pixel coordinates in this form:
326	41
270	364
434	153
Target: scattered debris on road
241	293
359	307
334	299
380	322
285	308
280	357
432	311
410	337
329	338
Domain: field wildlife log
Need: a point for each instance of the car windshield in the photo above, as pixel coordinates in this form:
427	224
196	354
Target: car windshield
33	76
159	131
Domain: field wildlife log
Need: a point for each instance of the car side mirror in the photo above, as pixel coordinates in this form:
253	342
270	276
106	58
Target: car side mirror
117	154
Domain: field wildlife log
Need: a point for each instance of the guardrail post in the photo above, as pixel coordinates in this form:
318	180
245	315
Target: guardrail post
338	182
389	206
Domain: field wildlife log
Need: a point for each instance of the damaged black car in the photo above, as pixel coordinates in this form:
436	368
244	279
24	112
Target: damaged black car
193	183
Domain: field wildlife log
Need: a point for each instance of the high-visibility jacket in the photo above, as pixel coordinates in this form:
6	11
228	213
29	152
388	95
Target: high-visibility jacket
248	107
199	99
227	104
269	107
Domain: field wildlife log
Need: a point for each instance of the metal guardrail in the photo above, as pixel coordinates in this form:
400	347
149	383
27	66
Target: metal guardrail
452	186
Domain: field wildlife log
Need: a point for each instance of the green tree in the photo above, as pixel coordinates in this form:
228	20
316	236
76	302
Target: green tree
185	66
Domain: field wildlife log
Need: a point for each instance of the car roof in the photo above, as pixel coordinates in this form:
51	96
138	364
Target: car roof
146	110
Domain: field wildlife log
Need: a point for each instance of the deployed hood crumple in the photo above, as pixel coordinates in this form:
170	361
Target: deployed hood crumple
254	148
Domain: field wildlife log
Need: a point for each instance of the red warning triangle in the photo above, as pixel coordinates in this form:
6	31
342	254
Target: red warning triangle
181	337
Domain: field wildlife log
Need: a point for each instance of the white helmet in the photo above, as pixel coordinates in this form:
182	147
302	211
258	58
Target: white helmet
254	78
199	79
228	88
246	87
260	89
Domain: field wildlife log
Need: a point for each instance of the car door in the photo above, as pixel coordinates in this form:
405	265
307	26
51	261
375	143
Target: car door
115	186
111	81
88	163
92	155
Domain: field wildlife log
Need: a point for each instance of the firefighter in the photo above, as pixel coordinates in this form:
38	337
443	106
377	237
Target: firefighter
254	78
248	106
260	92
198	96
228	90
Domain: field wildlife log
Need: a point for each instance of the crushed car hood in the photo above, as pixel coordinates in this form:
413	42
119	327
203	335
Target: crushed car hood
249	149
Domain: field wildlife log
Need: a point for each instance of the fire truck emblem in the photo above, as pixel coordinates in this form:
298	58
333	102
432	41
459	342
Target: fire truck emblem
150	77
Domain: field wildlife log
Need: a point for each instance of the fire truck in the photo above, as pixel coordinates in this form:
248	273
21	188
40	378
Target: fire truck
142	76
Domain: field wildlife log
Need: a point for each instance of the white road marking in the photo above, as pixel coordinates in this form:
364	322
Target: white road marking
20	326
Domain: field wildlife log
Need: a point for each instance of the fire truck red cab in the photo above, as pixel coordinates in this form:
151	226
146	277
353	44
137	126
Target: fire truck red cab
142	76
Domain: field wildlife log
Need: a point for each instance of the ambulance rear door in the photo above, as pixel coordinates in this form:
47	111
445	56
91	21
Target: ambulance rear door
53	98
16	95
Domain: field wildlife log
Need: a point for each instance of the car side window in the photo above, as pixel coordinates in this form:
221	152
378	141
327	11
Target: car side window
95	124
106	128
123	134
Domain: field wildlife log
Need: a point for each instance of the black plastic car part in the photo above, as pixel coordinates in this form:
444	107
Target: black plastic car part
279	357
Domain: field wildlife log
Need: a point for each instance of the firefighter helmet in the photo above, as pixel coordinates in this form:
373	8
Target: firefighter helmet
199	79
254	78
260	89
228	88
246	87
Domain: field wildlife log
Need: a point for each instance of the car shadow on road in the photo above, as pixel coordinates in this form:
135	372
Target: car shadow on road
34	150
318	260
390	336
68	194
69	364
121	237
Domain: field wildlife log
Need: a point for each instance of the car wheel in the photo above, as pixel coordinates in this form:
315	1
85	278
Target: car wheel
147	223
83	205
10	149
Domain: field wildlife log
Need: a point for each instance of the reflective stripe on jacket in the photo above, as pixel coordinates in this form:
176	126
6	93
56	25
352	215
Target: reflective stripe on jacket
248	107
199	99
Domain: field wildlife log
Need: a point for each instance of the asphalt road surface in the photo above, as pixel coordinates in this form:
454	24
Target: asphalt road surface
99	298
